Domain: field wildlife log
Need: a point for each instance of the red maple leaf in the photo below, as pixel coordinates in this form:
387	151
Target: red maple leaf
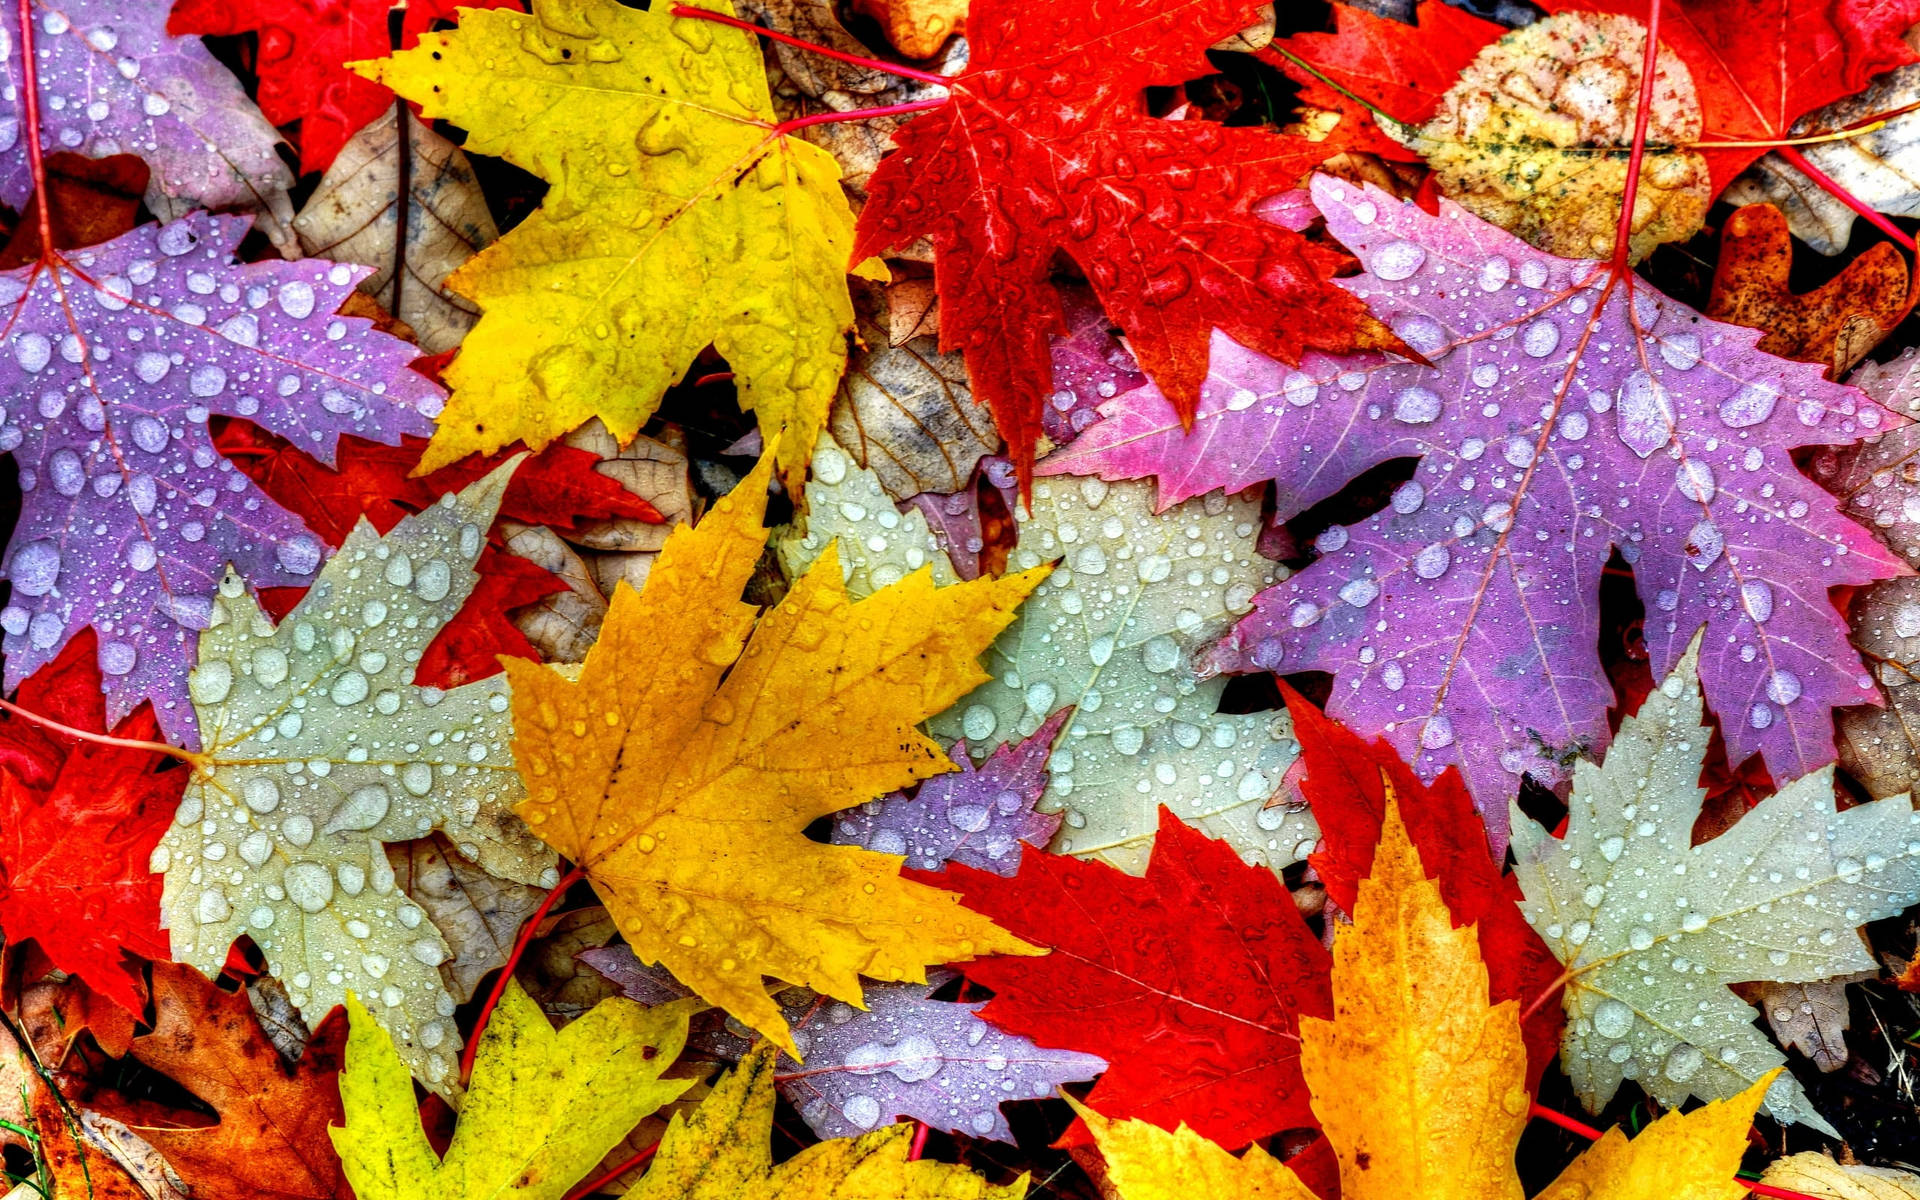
1190	980
1401	69
78	822
1345	782
303	44
1045	147
1758	65
558	488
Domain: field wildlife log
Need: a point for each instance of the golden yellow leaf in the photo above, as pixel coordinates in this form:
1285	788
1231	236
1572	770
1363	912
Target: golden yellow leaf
674	219
544	1106
685	798
723	1152
1420	1085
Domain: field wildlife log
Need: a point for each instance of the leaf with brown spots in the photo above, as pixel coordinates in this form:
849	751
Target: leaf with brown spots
1835	324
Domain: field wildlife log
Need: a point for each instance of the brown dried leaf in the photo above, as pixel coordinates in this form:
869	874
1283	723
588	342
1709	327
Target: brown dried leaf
1835	324
563	987
1880	747
906	412
1810	1017
479	914
353	218
563	626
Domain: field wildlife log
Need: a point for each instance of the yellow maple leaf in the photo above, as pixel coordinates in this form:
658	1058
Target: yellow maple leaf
722	1152
543	1109
685	798
1420	1084
674	219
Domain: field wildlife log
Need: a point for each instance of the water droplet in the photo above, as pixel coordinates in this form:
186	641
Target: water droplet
1398	260
1416	405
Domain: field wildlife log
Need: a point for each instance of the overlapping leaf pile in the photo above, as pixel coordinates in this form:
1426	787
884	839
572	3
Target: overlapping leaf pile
894	598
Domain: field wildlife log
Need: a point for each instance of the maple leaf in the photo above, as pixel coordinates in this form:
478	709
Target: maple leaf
686	809
116	355
1403	71
674	218
271	1140
78	821
879	544
1197	1005
1652	929
1835	324
559	487
1811	1017
1878	746
1347	782
479	914
303	45
355	216
1044	147
1813	1173
122	85
544	1106
1567	413
977	816
1878	480
722	1152
905	1056
1419	1083
1758	66
1874	165
1514	139
318	751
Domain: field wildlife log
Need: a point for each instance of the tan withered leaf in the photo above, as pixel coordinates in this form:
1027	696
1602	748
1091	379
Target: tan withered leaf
354	217
1835	324
906	413
479	914
1810	1017
1880	747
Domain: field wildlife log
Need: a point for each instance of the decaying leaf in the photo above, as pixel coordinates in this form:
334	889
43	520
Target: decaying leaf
644	250
1835	324
1652	928
1420	1084
355	216
479	914
1528	138
1811	1017
542	1110
687	807
1880	745
319	750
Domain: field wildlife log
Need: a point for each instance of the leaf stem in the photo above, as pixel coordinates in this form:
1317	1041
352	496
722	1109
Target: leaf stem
197	761
1548	993
590	1187
872	64
1643	112
31	86
920	1131
1833	188
506	969
857	114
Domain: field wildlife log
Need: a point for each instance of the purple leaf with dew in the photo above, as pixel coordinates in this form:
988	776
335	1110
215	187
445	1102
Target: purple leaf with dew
1567	413
976	815
112	362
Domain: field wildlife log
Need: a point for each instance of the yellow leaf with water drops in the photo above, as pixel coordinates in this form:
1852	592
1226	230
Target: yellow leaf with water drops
674	219
724	1152
1420	1084
682	766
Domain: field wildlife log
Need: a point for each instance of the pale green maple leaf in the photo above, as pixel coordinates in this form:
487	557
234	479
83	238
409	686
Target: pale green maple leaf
319	750
1652	928
879	544
1113	632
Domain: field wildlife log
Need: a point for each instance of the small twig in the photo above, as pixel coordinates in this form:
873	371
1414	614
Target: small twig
506	969
403	192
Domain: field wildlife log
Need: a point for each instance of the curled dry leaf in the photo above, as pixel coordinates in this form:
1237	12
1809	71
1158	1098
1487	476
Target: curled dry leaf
1835	324
355	214
1527	138
1814	1174
561	627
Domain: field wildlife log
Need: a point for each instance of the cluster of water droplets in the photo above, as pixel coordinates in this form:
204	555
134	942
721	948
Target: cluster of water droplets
120	356
322	751
112	81
1656	928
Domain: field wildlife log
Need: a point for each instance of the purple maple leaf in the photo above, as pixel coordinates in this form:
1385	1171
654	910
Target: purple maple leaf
112	81
977	816
112	361
1566	414
907	1056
